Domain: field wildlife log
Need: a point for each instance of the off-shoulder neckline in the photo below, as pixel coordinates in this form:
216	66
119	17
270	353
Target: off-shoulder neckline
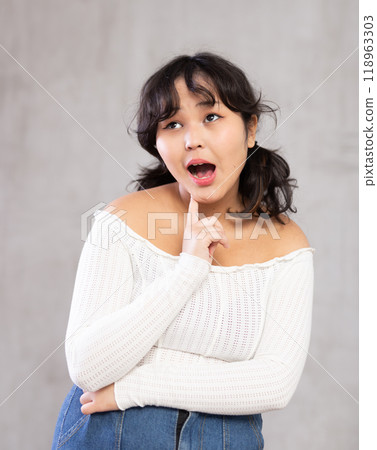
277	259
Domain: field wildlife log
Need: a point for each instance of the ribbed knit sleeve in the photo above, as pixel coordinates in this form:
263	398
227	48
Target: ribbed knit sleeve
265	382
108	334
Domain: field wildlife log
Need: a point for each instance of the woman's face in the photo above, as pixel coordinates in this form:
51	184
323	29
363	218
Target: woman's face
204	147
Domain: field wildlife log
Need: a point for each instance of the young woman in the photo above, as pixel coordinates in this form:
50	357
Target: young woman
191	310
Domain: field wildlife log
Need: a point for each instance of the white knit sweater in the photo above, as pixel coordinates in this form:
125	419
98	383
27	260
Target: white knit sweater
178	332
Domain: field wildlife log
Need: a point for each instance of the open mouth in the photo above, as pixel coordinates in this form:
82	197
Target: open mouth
202	171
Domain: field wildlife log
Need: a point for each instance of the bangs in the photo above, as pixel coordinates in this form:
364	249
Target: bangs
166	100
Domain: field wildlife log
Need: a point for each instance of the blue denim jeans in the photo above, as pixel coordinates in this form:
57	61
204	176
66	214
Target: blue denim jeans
153	427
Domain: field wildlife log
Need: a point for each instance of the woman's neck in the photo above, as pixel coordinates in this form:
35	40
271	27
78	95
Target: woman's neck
232	201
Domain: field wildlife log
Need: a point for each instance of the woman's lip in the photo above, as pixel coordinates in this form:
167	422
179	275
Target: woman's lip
198	161
203	181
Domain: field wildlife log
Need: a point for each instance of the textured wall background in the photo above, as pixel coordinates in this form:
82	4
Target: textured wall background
60	141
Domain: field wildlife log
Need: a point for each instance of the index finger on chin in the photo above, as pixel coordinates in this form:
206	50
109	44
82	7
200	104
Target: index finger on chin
193	209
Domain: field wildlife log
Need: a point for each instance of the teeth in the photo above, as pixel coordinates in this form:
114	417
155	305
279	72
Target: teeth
200	164
203	178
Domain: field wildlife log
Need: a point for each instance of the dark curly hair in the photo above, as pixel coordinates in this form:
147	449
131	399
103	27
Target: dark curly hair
265	184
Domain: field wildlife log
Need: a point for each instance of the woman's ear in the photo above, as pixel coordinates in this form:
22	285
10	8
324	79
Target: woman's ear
252	130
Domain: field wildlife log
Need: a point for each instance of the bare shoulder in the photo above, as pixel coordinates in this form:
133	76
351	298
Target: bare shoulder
134	207
149	199
290	236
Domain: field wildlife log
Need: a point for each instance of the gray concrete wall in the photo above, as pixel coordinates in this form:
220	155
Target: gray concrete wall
65	100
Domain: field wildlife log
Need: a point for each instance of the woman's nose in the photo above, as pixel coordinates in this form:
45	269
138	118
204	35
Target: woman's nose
193	138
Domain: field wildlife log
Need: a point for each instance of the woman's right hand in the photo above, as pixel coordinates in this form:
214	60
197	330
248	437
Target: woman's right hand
201	237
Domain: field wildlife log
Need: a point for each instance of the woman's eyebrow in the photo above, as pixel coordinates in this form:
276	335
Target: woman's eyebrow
205	103
202	104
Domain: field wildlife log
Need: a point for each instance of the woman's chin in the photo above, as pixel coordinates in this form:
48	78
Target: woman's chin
205	195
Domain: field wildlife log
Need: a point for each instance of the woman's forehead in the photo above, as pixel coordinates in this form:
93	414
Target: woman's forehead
202	88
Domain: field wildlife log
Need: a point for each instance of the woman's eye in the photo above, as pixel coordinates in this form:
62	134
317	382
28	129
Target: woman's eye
212	117
173	125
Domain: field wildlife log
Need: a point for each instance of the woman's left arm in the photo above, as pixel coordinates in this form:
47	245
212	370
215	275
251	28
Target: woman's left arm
264	383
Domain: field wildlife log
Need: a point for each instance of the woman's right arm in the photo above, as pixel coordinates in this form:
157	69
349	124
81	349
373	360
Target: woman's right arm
108	335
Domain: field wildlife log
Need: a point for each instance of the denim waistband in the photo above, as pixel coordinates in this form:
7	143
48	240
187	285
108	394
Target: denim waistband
153	427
